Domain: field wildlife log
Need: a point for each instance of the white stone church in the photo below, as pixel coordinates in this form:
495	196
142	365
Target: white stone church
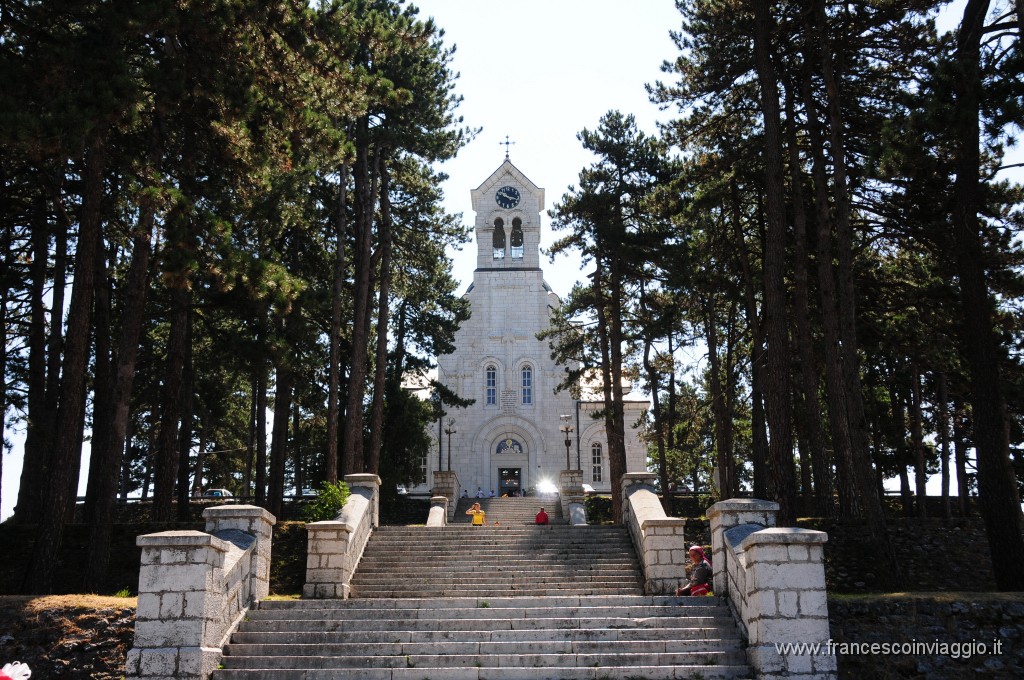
512	439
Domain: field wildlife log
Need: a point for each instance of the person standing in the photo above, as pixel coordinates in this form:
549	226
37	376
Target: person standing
478	515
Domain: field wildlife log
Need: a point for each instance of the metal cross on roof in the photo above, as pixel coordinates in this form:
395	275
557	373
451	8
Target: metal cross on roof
506	144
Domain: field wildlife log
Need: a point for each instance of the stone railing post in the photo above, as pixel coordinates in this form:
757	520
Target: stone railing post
372	483
256	522
727	514
179	623
787	603
447	484
571	496
335	547
438	516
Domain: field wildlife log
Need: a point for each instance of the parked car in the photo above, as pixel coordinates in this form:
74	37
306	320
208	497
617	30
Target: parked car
217	493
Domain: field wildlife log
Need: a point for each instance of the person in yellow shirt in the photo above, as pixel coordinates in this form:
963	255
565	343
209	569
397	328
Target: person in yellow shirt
478	515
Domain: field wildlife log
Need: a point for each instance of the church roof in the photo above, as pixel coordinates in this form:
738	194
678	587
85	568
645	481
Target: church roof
505	173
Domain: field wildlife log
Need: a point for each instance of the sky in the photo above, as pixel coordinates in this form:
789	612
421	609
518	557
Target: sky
538	72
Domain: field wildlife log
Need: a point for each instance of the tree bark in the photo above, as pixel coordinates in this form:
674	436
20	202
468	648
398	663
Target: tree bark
383	313
71	412
334	379
779	398
812	418
166	464
185	433
366	174
997	490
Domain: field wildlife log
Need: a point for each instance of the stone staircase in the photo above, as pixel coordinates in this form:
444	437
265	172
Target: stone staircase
498	561
511	511
506	602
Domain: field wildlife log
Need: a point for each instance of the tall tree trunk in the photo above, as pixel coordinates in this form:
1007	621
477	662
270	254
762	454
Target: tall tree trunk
779	398
166	464
724	462
279	437
917	439
334	379
997	486
103	387
366	174
812	418
71	412
960	456
38	430
863	468
261	434
383	312
185	433
942	423
759	454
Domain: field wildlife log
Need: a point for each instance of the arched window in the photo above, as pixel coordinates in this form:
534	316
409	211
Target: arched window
596	462
527	374
516	239
491	385
498	240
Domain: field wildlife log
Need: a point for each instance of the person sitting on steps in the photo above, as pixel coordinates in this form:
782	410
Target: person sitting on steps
542	517
700	574
478	515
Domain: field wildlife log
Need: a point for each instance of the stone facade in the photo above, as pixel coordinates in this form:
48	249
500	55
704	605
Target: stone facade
510	438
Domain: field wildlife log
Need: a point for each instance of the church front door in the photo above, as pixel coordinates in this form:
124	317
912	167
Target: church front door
509	481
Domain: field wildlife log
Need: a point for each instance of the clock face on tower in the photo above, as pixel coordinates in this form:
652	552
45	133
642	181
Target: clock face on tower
507	197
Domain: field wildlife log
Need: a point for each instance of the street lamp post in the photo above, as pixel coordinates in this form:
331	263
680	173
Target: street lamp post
450	430
567	429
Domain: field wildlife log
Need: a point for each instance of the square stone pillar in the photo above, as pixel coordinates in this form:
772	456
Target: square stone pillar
371	482
725	515
447	484
570	494
438	516
787	603
256	522
180	619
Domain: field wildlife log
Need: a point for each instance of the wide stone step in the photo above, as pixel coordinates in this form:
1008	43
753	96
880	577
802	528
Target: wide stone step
545	647
487	592
496	610
480	623
646	672
511	660
306	637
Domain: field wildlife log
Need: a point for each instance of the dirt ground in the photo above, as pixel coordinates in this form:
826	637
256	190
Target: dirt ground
67	636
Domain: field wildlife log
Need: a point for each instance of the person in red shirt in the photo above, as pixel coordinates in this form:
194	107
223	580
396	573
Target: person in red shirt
542	517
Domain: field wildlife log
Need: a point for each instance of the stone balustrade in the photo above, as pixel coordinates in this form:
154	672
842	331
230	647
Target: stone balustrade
335	546
774	579
658	538
194	588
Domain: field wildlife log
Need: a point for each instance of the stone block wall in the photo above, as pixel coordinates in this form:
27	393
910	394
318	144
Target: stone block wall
334	547
447	484
194	587
774	579
659	540
571	496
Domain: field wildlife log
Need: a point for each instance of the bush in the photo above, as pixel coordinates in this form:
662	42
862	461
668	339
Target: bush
329	501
